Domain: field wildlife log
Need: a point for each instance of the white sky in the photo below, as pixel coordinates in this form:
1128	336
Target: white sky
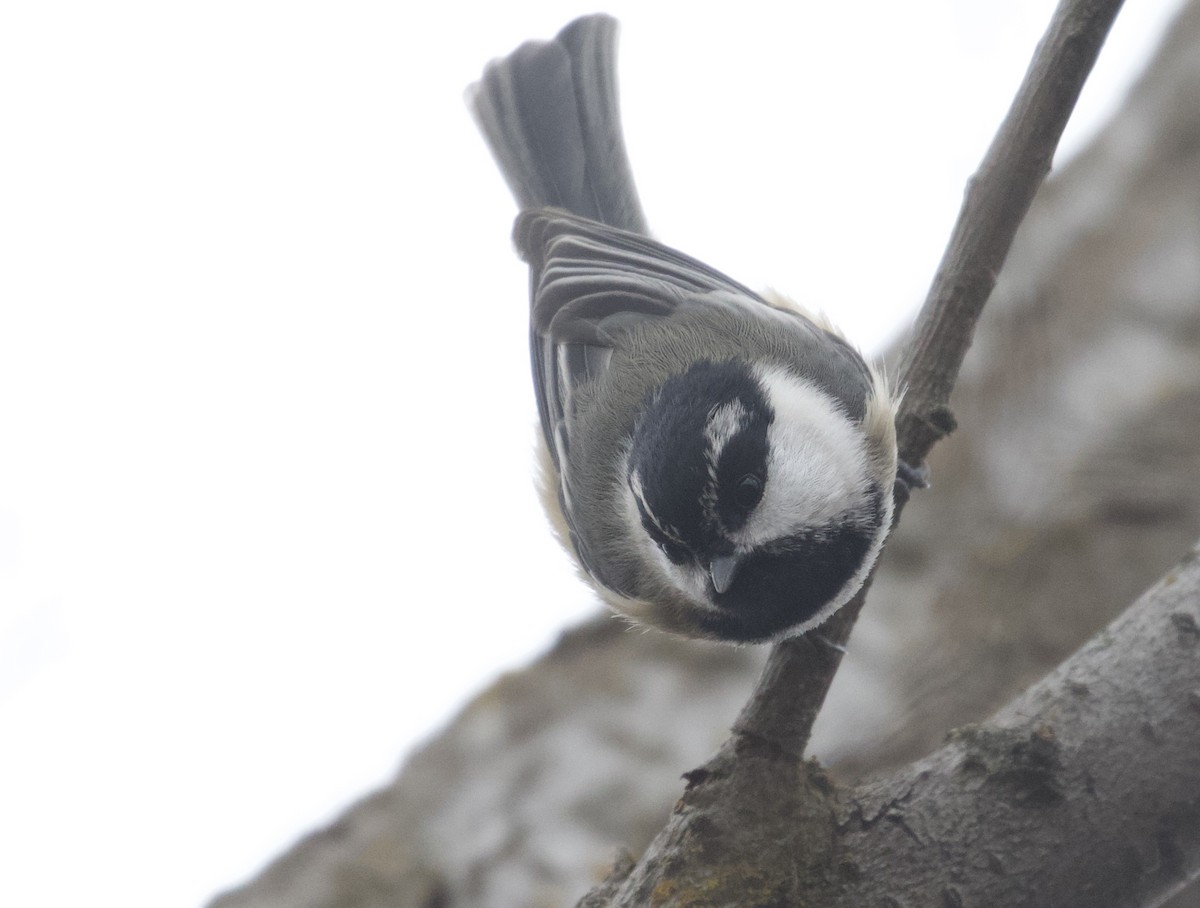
266	516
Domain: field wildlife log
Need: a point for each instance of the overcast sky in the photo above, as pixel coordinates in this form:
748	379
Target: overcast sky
266	513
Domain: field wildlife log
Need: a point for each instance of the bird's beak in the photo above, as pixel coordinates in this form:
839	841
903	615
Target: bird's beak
723	569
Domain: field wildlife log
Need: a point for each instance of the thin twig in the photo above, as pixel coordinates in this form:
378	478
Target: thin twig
784	705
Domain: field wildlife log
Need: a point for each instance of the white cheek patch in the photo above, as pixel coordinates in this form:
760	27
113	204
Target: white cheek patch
818	466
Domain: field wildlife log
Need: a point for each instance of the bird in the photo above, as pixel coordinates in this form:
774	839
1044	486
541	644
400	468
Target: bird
720	463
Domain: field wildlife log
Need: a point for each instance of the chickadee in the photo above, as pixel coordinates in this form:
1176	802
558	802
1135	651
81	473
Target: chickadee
719	463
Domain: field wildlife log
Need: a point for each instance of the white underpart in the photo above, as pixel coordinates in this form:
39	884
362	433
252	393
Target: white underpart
817	468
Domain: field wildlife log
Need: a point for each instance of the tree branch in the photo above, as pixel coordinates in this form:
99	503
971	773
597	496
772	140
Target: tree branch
1097	765
997	199
1083	791
793	686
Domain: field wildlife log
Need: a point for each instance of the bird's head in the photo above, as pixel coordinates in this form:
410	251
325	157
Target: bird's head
753	493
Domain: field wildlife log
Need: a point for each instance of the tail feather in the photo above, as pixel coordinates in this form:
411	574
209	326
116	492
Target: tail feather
549	112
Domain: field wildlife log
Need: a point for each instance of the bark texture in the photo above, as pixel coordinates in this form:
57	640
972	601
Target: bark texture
1070	487
1083	791
1099	763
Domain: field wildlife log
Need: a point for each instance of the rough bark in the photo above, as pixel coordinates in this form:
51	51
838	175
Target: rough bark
1083	791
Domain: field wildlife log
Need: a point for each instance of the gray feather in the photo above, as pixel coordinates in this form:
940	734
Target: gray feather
549	112
550	115
592	283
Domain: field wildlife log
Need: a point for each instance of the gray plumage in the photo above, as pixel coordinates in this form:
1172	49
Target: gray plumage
550	115
720	464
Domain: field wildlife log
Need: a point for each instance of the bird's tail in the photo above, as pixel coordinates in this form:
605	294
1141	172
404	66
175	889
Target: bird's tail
549	114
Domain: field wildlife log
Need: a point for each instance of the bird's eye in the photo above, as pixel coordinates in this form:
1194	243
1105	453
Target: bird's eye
748	492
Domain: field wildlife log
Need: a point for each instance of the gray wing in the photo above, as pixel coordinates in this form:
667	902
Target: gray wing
590	285
550	115
592	282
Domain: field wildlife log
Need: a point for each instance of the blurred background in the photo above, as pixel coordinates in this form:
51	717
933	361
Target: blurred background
266	507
